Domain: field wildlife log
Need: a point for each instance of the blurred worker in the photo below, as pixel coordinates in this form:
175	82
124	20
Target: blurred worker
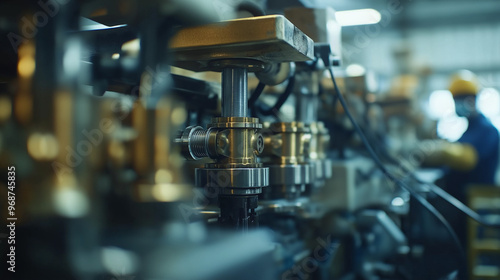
473	159
478	166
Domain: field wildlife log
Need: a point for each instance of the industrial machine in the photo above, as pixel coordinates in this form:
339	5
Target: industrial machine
132	162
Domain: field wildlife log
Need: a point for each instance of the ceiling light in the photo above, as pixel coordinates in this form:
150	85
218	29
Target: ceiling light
358	17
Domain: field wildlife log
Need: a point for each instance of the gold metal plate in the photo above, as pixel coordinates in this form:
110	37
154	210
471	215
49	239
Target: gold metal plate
266	38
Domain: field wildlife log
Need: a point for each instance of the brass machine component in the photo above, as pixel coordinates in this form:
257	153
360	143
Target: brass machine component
286	147
323	140
156	160
234	48
238	141
234	143
321	165
42	141
306	111
322	27
236	173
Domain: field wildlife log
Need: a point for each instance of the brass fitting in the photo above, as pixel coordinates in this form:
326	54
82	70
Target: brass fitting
287	143
234	144
231	141
320	141
323	140
286	146
317	157
239	142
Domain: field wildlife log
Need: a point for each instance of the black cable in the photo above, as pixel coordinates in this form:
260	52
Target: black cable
442	193
457	204
418	197
445	195
256	94
288	91
281	99
334	102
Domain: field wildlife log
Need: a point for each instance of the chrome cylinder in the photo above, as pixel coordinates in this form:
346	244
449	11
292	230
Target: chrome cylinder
234	92
306	110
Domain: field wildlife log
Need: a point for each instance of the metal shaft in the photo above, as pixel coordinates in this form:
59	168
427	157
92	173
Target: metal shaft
306	108
234	92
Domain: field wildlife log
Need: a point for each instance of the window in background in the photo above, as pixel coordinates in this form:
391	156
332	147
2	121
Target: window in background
488	103
442	108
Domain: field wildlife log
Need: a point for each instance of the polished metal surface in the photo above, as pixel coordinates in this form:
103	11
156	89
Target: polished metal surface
252	65
327	168
319	24
193	143
276	73
322	170
234	92
265	38
289	174
316	156
302	207
281	206
288	181
235	122
306	93
240	191
287	143
318	169
238	143
322	145
306	108
313	167
231	140
233	180
159	174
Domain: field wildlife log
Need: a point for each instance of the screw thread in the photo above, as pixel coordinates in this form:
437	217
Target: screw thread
198	143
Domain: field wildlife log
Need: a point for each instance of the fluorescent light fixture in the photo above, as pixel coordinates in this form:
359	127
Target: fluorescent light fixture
355	70
441	105
451	128
88	25
358	17
488	102
397	201
442	108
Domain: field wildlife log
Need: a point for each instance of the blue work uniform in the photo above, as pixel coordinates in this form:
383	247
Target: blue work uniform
483	136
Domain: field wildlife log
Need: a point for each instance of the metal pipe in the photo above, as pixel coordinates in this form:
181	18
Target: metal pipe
234	92
306	108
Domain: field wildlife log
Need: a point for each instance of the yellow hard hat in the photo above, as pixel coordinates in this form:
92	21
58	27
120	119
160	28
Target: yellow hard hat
464	82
